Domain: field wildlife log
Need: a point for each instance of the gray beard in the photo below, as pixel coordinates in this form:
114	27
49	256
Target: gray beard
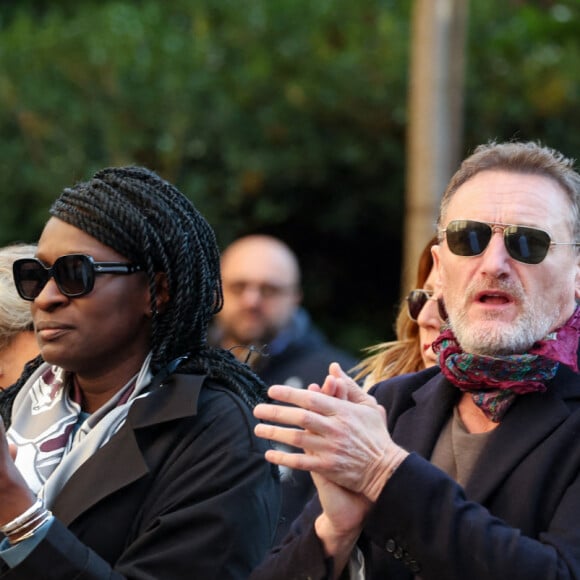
492	336
502	338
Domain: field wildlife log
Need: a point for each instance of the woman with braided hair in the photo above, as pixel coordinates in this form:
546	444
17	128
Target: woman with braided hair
132	452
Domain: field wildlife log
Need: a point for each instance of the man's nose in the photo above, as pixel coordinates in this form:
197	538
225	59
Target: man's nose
495	258
251	294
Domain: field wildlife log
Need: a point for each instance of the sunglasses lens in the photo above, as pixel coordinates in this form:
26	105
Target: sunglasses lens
30	277
528	245
74	275
415	302
467	238
442	310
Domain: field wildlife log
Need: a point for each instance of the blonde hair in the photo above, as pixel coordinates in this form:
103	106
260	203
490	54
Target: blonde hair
15	315
403	355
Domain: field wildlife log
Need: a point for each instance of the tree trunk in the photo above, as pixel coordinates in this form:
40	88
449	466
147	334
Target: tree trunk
435	105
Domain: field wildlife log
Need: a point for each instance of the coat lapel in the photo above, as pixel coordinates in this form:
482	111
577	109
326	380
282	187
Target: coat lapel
120	462
113	466
418	428
527	423
535	415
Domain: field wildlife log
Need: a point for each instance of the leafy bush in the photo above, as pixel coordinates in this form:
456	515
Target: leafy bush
286	117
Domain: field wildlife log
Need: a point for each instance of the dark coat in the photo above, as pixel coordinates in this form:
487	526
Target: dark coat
181	491
304	359
517	518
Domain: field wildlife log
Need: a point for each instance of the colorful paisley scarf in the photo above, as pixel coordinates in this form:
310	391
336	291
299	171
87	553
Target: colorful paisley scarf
495	381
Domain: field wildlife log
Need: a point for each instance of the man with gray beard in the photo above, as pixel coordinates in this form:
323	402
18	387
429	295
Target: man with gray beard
469	470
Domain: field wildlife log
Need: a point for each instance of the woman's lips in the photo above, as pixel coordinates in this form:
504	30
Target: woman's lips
51	331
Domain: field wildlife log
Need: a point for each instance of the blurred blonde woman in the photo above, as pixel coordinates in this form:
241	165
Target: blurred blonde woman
17	341
418	324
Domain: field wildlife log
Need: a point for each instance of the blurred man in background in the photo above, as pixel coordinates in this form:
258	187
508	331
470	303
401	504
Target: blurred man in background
262	322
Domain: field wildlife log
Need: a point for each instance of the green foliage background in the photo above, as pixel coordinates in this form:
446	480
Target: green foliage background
283	116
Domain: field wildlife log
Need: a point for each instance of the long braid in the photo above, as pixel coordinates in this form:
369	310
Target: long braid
151	223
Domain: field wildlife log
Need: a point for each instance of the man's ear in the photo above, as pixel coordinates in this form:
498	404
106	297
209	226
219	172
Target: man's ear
435	254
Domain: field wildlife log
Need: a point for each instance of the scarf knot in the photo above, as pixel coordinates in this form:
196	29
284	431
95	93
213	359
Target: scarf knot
495	381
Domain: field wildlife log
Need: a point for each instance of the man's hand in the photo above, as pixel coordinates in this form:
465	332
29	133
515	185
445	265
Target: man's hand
341	521
341	428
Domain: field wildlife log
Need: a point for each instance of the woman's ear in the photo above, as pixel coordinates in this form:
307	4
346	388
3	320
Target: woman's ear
161	292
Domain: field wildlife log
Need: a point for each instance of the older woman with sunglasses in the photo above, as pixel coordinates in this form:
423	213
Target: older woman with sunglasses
417	326
17	341
133	444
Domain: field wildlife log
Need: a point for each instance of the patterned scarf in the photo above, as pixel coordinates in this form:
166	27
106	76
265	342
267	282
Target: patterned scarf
495	381
53	436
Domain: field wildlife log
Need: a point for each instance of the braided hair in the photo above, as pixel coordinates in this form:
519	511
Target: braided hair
151	223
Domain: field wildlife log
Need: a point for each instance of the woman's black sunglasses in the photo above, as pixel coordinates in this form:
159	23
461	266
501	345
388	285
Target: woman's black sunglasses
74	274
416	300
523	243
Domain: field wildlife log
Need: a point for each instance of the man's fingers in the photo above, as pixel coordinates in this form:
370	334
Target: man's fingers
292	460
331	387
283	414
310	399
306	421
284	435
335	370
296	438
346	387
276	413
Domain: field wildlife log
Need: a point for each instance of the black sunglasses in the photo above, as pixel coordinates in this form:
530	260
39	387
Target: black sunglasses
523	243
416	300
74	274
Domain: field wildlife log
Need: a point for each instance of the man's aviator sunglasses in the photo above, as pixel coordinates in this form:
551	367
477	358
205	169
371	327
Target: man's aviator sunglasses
74	274
523	243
